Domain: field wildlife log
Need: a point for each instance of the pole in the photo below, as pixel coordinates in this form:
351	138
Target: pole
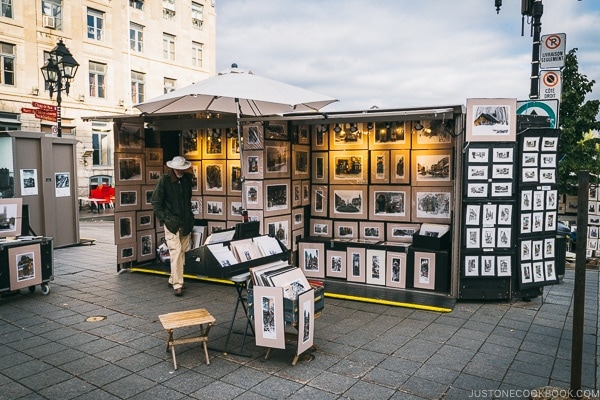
579	289
59	89
538	10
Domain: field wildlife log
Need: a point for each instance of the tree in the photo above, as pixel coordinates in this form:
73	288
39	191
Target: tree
577	149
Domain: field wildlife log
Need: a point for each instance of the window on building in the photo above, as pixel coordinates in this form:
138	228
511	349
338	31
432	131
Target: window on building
197	15
7	64
197	54
97	80
9	121
169	85
101	144
137	87
168	9
7	8
52	14
95	24
139	4
168	47
136	37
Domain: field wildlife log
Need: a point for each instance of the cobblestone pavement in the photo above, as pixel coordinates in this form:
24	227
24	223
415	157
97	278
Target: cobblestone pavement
52	347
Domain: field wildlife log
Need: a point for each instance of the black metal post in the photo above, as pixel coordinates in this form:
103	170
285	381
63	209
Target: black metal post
59	89
538	10
579	289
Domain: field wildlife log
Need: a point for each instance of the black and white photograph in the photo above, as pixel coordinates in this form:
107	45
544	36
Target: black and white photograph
129	168
306	319
269	317
488	267
214	177
191	140
471	266
549	144
401	232
234	178
125	227
336	264
214	144
127	198
400	166
345	229
491	120
25	262
253	136
477	173
372	230
214	208
312	259
348	167
488	238
531	144
526	251
62	184
347	136
432	204
396	270
29	182
321	227
277	200
526	223
388	135
502	171
478	155
473	238
432	167
504	214
11	210
477	190
504	266
424	270
276	130
472	214
376	267
348	202
529	174
489	215
300	162
501	189
502	154
320	168
386	204
355	264
128	136
530	160
145	243
277	159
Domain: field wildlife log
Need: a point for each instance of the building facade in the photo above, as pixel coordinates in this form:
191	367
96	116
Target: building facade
128	51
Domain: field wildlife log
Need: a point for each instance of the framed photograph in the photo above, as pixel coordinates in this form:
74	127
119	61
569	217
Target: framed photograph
504	238
471	267
348	202
191	147
348	167
477	172
529	174
300	162
196	171
25	264
126	252
253	166
549	248
501	189
129	137
504	266
297	218
401	232
550	221
214	177
125	227
269	317
319	201
489	214
549	270
127	198
320	167
526	200
336	264
387	204
306	193
491	120
12	216
145	220
234	209
320	137
424	270
488	266
548	175
380	166
215	208
537	247
376	267
145	245
432	204
216	226
153	174
154	157
478	154
277	159
345	229
502	154
253	190
276	130
277	197
473	238
253	136
504	214
296	194
312	259
233	144
526	273
197	207
302	133
280	228
488	238
355	264
432	134
525	223
473	214
551	200
344	136
531	143
306	320
320	227
399	166
525	254
257	215
477	190
549	144
502	171
388	135
538	271
234	178
297	236
530	160
431	167
130	168
538	200
537	222
371	230
396	270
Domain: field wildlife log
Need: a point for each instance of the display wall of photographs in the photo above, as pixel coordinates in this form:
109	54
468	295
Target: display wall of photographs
491	120
320	167
387	203
300	162
431	167
537	262
25	264
347	201
277	159
348	167
431	204
130	168
312	259
191	144
344	136
388	135
432	134
214	177
477	265
253	136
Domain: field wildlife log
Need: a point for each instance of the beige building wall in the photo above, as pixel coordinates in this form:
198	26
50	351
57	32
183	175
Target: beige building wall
26	30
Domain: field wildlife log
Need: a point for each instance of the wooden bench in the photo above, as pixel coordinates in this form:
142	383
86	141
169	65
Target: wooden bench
183	319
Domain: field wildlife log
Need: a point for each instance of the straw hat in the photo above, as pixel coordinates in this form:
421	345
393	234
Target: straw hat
179	162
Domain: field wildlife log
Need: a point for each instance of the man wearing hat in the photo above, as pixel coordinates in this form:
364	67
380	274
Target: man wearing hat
172	202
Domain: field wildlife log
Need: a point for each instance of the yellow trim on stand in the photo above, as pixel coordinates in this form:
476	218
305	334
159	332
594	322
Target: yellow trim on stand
387	302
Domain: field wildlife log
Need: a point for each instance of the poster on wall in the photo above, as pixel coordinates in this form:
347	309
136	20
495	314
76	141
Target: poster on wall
29	182
491	120
62	184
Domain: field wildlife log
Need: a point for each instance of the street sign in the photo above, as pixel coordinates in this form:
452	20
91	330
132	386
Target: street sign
544	108
550	85
552	51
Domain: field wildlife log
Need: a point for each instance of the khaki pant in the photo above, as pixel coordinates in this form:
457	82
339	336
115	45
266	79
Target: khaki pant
178	245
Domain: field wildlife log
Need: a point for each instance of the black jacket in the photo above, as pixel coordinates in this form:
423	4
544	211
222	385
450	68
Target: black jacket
172	202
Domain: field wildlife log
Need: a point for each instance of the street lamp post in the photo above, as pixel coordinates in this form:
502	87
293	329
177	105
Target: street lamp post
58	71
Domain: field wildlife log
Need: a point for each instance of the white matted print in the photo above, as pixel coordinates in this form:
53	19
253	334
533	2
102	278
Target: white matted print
268	314
306	320
396	270
491	120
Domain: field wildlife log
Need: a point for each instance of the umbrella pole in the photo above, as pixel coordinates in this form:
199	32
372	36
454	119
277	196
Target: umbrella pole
242	169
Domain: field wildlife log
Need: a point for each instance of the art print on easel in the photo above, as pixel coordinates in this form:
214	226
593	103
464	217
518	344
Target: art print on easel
491	120
268	314
306	319
26	265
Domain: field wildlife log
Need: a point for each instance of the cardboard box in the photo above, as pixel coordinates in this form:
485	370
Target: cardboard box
432	243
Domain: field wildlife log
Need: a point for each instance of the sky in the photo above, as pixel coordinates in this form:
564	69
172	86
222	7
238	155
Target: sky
400	53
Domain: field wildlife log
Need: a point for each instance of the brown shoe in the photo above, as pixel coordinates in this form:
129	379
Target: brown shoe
178	292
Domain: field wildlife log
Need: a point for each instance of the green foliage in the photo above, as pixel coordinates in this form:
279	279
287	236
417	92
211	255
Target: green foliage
577	149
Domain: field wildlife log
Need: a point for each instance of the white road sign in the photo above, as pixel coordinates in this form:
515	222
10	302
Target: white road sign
550	85
552	50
